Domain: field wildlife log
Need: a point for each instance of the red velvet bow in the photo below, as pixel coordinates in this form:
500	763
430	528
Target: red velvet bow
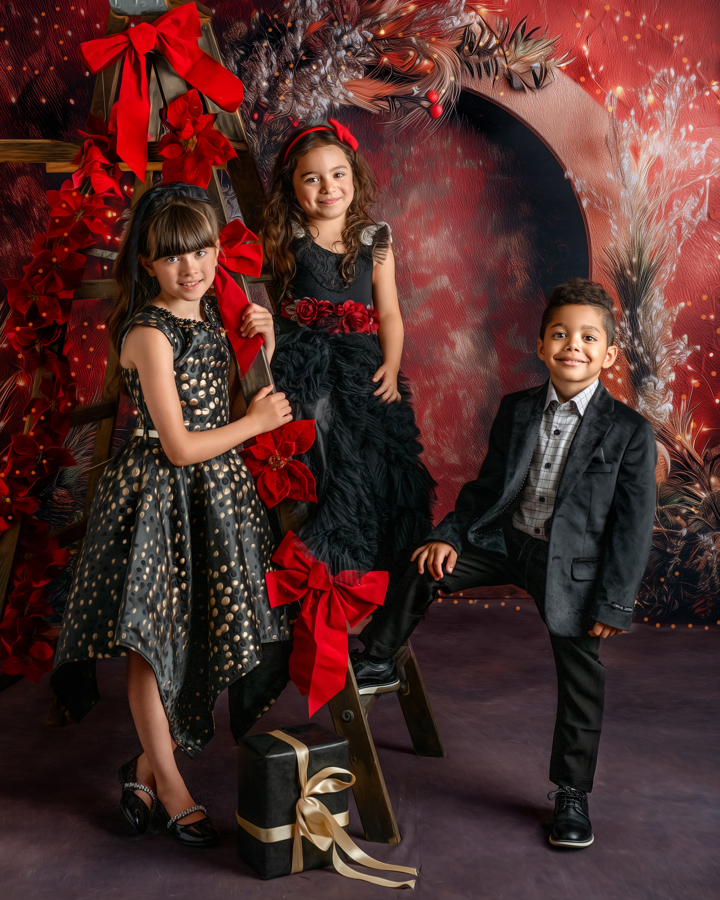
343	134
242	254
175	35
319	660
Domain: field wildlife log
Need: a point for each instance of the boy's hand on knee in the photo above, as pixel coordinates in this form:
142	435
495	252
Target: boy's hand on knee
604	631
435	554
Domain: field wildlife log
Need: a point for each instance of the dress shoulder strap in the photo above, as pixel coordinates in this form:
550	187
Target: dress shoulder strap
378	237
156	317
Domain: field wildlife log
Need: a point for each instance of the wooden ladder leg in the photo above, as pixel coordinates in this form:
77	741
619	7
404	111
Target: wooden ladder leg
371	795
415	705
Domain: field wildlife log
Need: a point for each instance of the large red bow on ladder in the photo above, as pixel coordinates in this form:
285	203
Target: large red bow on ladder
242	253
175	35
319	660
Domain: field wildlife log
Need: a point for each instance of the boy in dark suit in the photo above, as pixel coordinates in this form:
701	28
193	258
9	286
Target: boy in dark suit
563	507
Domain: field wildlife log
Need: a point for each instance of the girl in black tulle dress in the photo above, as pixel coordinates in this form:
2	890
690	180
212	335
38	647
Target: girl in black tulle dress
339	343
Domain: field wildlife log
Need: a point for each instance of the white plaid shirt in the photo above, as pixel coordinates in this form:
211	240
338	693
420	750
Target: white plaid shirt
559	423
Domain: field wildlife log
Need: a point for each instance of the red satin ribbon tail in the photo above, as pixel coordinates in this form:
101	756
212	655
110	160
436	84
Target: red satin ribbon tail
318	664
232	302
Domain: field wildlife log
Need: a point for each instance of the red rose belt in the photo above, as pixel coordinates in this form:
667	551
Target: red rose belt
334	318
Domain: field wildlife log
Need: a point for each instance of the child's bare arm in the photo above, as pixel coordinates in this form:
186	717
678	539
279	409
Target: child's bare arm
390	330
149	351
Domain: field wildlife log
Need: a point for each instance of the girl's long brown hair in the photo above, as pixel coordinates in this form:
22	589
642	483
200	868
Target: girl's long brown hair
283	213
182	225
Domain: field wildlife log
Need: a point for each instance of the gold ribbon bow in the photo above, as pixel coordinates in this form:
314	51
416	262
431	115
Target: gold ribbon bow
315	822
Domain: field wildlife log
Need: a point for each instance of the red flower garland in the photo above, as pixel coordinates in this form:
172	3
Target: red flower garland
40	305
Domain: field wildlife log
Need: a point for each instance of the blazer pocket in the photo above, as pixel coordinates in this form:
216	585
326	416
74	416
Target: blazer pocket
584	569
595	468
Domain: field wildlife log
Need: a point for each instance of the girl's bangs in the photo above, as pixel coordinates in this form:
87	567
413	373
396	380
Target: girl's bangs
180	228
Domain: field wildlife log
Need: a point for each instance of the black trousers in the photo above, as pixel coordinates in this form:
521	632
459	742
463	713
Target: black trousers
580	674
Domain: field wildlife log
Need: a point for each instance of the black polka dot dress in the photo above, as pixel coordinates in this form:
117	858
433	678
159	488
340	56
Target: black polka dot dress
174	560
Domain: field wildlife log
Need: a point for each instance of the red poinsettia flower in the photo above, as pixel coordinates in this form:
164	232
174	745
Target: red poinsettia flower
55	271
15	497
50	412
24	645
76	215
30	599
277	475
32	342
7	517
24	299
192	146
92	160
39	557
21	295
32	460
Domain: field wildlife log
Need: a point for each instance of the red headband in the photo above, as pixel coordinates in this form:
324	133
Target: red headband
341	133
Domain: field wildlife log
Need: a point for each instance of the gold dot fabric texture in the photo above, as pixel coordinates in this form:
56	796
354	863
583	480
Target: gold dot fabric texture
175	558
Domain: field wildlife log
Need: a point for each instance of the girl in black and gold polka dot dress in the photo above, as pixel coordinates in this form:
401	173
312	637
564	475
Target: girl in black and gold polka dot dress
172	574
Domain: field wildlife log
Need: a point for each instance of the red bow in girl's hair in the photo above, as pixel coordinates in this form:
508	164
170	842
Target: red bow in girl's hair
343	134
319	660
243	254
175	35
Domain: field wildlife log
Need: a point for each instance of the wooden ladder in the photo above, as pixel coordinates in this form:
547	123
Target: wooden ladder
349	711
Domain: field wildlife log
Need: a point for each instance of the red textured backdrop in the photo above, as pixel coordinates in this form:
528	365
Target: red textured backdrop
468	219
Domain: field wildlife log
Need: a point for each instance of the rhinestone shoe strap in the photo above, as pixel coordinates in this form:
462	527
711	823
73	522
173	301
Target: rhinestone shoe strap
185	812
133	785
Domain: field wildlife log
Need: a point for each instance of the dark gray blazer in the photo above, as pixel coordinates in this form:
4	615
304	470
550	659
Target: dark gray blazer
603	518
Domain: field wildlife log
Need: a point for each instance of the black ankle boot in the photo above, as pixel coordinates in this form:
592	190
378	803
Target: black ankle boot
571	823
135	810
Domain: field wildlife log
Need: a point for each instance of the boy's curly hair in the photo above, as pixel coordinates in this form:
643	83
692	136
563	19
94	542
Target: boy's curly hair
581	292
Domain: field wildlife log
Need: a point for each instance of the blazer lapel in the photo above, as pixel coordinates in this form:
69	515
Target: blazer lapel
591	432
523	437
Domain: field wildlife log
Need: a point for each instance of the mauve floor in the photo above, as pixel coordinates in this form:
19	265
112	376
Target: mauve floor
473	823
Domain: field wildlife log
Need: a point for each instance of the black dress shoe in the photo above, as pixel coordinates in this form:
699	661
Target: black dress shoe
374	677
134	808
571	823
197	834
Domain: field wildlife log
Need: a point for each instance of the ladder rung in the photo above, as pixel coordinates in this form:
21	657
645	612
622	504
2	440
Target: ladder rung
70	533
59	154
93	412
99	289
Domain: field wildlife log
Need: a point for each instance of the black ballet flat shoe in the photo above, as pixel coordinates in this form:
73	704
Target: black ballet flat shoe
372	677
197	834
135	810
571	823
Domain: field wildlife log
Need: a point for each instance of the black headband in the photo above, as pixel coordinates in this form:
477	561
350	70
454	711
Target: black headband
147	204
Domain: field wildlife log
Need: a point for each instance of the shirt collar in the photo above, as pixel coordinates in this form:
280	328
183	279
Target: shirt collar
580	401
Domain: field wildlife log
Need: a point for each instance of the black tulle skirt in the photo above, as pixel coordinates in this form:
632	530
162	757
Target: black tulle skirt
374	493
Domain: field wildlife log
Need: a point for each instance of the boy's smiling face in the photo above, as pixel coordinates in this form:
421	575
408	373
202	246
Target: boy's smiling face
575	349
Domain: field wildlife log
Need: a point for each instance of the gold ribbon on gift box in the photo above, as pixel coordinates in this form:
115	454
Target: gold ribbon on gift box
315	822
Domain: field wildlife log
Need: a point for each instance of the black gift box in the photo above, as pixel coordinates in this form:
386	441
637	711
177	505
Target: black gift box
269	788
